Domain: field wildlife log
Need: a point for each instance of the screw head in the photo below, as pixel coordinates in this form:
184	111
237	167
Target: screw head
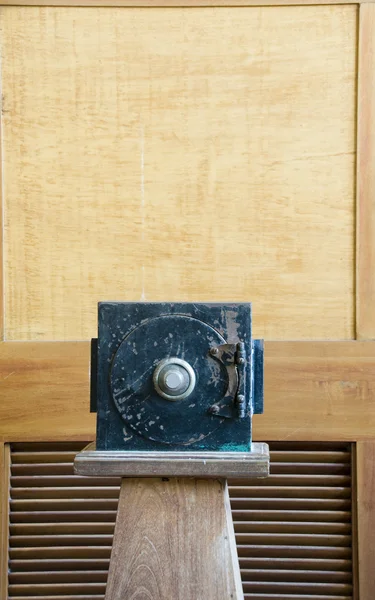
214	351
214	409
241	360
240	399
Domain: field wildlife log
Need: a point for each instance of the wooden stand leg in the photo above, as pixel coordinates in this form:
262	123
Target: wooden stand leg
174	537
174	540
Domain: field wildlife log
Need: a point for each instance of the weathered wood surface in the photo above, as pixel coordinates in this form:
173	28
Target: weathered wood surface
99	463
174	538
313	391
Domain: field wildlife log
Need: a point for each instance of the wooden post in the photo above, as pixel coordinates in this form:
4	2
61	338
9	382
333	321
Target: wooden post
174	539
174	536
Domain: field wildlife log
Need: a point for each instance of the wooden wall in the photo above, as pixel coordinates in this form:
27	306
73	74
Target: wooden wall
190	154
203	150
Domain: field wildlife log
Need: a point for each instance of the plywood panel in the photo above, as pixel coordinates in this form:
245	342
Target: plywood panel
321	391
179	154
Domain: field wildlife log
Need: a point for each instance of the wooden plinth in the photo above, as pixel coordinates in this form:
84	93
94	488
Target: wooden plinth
112	463
174	536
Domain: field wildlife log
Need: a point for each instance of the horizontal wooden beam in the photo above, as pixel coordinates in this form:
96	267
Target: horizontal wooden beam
173	3
318	391
313	391
45	391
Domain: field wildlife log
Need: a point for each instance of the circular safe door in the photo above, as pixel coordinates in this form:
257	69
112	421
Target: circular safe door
163	379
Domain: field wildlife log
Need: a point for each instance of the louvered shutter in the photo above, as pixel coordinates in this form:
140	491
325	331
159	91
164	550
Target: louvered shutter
293	529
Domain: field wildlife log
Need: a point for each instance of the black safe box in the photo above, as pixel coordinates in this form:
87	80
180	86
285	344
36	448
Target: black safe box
175	376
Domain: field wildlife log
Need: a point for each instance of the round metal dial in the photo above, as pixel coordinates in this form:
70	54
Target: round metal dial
168	358
174	379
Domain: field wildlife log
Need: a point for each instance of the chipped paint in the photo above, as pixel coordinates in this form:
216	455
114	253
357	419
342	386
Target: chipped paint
146	338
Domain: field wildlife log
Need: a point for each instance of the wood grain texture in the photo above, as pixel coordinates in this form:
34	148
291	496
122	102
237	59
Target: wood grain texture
44	390
354	521
318	391
2	316
366	175
4	518
99	463
174	154
313	391
366	518
231	553
172	540
173	3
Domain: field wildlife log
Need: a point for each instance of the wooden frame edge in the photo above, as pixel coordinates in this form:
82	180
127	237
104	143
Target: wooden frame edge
174	3
4	518
365	236
354	521
2	223
365	515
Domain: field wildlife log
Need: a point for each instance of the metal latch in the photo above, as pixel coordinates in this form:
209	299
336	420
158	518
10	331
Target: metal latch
233	357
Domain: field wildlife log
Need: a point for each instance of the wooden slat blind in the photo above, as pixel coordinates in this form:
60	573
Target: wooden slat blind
293	529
